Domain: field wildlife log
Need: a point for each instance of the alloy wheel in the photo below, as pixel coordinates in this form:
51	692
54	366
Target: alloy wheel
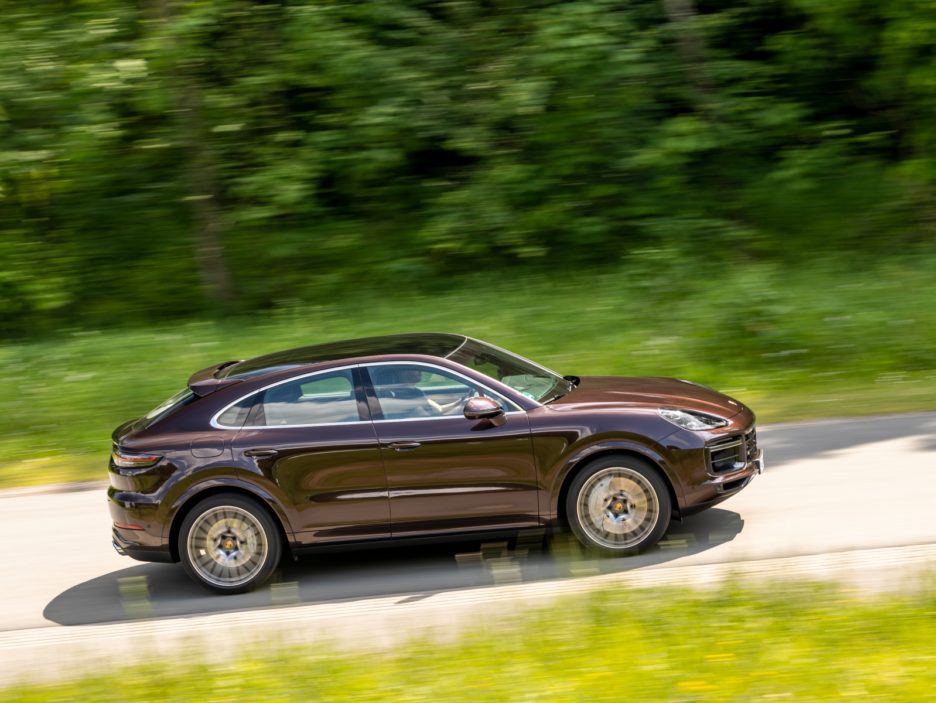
618	508
227	546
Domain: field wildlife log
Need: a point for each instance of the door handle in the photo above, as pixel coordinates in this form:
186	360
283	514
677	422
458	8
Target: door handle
404	446
261	453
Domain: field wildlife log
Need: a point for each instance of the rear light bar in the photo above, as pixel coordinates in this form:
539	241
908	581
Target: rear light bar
124	460
128	526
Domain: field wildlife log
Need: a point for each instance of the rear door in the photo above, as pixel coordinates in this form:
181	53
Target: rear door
445	472
311	443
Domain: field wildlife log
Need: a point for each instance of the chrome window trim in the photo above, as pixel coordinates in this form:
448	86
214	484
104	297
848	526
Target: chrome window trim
218	426
286	427
439	417
517	409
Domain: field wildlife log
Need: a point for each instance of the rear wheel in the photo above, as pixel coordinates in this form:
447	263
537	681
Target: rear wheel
229	544
618	505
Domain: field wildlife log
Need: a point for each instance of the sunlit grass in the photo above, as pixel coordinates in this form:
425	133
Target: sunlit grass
816	341
784	642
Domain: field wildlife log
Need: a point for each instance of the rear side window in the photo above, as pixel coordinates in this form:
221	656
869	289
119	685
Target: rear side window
235	415
317	400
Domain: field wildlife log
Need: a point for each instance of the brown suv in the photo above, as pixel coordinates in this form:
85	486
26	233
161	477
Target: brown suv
413	436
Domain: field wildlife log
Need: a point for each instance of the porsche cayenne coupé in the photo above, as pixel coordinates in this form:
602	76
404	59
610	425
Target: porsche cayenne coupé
413	436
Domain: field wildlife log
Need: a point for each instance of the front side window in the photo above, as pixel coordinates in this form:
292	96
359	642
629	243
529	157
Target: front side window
316	400
409	391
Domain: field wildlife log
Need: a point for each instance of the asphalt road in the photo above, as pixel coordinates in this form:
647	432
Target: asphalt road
844	499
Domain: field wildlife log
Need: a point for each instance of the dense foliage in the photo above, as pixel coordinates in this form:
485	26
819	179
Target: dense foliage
168	157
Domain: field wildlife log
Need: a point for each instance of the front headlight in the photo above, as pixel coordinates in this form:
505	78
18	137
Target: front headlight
692	419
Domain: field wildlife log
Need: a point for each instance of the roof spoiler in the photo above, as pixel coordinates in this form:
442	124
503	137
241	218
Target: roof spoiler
205	382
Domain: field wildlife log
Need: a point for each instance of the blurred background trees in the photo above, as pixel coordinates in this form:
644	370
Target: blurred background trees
169	158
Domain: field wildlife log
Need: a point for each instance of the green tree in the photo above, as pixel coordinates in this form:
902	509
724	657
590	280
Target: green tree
176	157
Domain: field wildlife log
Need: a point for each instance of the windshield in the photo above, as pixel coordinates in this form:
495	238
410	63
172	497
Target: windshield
530	379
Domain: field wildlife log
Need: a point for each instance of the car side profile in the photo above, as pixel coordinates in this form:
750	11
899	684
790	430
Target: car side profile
415	436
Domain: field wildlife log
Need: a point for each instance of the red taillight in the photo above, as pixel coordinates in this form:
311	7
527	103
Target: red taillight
128	526
133	461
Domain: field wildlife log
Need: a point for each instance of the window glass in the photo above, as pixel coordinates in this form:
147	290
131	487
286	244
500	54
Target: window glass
235	415
314	400
530	379
407	391
177	401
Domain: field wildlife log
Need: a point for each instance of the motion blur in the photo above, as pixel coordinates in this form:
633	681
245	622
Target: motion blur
739	194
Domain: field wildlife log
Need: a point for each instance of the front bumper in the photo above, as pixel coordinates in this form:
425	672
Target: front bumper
707	489
731	483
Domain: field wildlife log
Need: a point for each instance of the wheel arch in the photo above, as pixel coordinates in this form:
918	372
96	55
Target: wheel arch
196	494
582	460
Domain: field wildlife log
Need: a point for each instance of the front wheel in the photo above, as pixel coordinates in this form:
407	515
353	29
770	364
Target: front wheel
229	544
618	506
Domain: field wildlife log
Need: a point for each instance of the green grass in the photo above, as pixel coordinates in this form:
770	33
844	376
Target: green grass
783	642
823	339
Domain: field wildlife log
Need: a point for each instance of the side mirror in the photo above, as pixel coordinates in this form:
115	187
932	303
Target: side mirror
481	408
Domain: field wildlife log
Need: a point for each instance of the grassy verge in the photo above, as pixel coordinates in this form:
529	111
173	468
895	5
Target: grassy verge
819	340
786	642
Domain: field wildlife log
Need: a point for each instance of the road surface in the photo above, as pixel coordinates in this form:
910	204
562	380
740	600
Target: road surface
850	500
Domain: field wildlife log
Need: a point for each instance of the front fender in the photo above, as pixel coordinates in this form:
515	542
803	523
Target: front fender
578	457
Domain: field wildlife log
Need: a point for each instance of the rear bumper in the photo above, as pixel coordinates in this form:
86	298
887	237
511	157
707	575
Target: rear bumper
129	548
146	542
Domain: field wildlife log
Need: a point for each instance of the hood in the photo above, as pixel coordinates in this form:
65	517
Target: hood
603	391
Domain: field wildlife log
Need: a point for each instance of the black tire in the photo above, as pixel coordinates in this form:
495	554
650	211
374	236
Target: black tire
229	544
618	506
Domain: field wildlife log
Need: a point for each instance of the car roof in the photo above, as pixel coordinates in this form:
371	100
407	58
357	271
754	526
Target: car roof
426	343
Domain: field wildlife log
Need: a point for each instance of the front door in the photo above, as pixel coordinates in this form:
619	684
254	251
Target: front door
445	472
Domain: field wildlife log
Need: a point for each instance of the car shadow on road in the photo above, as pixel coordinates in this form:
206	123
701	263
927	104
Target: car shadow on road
410	573
784	444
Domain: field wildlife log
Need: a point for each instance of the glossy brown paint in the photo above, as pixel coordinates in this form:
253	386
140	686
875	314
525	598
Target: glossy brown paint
591	421
377	478
563	442
330	479
595	392
464	475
